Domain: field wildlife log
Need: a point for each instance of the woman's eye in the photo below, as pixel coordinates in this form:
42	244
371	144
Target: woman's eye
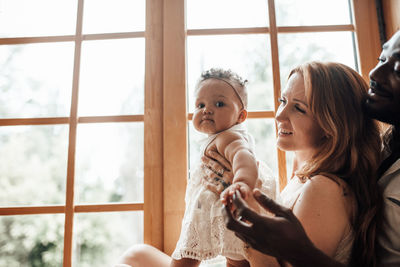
220	104
300	109
281	100
381	59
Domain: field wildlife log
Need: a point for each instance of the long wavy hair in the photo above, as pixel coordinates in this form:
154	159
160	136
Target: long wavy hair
350	150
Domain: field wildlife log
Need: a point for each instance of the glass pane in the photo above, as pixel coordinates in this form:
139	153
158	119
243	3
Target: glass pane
121	16
37	18
109	162
195	139
263	131
248	55
226	14
295	49
312	12
112	77
36	80
32	240
32	156
101	238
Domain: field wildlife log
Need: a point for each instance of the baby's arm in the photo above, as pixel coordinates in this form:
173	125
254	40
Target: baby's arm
244	165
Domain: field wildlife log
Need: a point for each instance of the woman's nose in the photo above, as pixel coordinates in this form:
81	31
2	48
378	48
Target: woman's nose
280	114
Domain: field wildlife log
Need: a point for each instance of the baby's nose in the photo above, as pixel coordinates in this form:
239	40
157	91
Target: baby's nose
207	110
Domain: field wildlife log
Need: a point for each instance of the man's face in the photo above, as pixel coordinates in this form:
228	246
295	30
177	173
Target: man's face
383	102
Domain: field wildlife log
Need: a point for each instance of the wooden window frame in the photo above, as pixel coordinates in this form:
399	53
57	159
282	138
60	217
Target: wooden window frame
165	115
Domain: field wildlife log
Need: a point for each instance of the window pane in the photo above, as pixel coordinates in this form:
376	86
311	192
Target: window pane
195	139
109	162
263	131
248	55
37	18
32	156
31	240
112	77
36	80
226	14
295	49
101	238
105	16
312	12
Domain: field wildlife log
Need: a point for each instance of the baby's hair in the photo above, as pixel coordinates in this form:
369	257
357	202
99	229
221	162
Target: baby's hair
234	80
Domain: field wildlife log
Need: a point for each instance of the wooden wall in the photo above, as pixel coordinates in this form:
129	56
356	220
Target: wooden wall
391	13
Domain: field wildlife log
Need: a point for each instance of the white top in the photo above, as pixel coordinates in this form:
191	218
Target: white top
204	234
389	238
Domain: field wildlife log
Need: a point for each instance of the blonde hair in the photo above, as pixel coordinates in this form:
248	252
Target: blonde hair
335	94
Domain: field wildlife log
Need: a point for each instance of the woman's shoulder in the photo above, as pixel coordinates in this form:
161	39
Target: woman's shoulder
329	191
327	185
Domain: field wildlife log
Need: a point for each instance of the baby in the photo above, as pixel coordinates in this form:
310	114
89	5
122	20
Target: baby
221	102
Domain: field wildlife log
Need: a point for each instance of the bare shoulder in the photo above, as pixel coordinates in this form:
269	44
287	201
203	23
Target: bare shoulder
326	192
322	208
322	185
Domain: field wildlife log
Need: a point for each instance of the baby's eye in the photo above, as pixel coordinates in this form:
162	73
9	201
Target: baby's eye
220	104
201	105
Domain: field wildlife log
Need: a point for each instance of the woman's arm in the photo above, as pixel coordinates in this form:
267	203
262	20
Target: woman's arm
325	212
281	236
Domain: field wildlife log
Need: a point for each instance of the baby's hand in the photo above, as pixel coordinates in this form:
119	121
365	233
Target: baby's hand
243	188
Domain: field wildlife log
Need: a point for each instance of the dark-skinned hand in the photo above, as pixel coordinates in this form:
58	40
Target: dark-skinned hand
281	236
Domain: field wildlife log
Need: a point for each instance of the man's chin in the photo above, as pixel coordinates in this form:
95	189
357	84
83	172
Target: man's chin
376	112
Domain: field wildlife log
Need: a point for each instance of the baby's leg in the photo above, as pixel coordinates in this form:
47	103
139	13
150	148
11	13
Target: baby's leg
185	262
235	263
145	256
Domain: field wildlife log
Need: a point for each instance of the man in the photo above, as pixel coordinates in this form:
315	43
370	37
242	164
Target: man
283	236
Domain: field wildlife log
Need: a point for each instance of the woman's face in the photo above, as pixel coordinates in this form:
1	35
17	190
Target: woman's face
297	128
383	101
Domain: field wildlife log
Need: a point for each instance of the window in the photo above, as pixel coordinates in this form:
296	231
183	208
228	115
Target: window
96	106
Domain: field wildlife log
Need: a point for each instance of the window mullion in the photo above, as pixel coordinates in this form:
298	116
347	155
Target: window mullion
277	85
69	207
175	120
153	126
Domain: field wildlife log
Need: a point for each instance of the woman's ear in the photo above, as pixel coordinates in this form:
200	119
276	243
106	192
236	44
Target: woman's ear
242	116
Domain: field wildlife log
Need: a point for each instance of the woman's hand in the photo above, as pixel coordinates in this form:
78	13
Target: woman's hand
218	169
281	236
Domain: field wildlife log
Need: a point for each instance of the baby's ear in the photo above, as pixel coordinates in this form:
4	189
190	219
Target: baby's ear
242	116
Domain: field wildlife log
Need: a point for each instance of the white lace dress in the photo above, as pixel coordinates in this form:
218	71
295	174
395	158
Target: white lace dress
204	234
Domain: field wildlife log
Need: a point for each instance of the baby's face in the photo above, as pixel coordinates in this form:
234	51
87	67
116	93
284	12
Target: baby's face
217	107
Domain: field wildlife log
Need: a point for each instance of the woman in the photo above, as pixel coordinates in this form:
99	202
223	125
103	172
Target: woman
333	190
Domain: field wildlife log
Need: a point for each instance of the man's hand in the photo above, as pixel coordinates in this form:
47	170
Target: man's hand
281	236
